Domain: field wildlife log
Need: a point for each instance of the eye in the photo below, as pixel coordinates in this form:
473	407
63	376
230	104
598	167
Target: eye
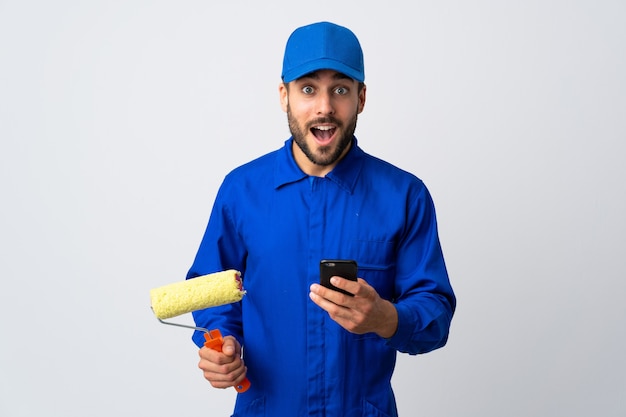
307	89
342	91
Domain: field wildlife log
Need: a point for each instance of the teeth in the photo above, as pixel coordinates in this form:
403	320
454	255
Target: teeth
323	127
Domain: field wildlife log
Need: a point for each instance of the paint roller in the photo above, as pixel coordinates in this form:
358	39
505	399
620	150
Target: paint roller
198	293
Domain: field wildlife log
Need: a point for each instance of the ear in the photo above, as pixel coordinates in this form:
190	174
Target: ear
362	95
284	96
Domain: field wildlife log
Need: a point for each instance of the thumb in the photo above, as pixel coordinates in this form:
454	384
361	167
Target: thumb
228	348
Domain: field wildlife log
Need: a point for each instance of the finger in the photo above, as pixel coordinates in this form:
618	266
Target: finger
330	302
326	298
348	285
214	357
221	367
225	380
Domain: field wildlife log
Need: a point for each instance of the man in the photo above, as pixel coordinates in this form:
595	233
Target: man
310	350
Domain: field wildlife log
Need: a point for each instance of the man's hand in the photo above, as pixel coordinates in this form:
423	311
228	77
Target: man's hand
223	369
365	312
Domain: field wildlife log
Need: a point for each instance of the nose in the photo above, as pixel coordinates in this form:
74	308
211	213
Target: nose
325	103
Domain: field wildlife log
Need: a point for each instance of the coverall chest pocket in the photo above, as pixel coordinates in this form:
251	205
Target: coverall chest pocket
376	261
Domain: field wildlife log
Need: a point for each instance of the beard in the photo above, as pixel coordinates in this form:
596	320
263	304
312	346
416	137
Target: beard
325	155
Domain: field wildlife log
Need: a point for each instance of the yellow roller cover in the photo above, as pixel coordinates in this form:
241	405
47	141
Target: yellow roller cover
197	293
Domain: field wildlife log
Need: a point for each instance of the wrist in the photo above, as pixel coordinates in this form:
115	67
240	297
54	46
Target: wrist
389	323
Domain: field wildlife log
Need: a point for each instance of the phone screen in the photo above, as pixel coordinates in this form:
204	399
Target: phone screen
345	268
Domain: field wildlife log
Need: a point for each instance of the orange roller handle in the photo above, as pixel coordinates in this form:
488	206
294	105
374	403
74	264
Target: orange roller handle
214	340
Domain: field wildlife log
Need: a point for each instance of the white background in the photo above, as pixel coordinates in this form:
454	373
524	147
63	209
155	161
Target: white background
119	119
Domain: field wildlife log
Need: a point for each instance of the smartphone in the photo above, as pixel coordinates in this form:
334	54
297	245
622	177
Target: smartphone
345	268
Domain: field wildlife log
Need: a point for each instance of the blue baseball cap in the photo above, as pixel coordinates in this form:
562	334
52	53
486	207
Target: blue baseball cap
320	46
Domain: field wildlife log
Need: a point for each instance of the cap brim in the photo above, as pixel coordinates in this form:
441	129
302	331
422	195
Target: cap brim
322	64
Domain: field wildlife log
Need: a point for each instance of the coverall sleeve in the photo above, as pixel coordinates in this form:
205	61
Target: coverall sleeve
425	300
221	248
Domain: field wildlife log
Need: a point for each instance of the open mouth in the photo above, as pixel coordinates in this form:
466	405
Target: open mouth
323	134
